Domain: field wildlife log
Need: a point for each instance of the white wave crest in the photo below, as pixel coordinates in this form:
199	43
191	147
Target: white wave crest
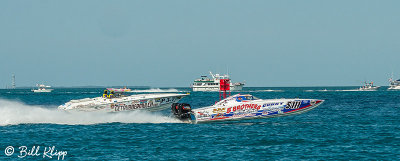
322	90
344	90
270	90
14	113
155	90
354	90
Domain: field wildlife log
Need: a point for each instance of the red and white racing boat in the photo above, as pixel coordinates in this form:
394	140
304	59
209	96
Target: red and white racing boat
244	106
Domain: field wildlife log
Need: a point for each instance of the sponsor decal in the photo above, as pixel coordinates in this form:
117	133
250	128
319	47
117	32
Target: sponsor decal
243	107
272	111
203	114
293	105
220	115
218	110
272	104
166	100
243	115
133	106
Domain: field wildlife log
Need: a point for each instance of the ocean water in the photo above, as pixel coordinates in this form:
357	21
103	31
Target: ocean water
350	125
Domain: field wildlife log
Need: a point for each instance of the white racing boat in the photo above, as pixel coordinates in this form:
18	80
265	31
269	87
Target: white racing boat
113	100
240	107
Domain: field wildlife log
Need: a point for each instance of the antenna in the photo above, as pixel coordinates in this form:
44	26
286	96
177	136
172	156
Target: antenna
13	82
212	75
227	70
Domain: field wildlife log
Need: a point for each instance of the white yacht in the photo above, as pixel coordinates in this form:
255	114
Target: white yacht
369	87
394	84
213	84
42	88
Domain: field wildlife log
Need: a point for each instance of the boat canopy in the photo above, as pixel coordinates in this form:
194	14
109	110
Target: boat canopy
247	97
239	98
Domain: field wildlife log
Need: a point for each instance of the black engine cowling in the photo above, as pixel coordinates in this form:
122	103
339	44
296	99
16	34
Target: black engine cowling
181	110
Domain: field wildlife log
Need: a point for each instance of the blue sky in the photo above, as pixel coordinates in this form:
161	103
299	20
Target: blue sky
171	43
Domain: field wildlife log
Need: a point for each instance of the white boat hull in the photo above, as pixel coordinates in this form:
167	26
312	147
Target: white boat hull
242	107
394	88
149	102
213	84
369	89
42	90
254	110
216	88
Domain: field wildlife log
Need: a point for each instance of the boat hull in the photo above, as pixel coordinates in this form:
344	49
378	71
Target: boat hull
215	88
42	91
394	88
149	102
369	89
254	110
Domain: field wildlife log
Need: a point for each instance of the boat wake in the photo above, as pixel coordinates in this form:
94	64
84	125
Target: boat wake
14	113
355	90
348	90
269	90
155	90
323	90
344	90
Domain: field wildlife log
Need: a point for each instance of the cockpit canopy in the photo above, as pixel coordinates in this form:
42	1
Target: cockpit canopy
243	98
237	98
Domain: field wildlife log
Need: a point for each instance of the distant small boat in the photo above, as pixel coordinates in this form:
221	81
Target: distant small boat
394	84
369	87
42	88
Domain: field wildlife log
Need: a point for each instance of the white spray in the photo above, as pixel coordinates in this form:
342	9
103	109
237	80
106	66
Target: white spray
14	113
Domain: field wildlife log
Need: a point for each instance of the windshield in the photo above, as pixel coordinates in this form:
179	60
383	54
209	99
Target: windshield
245	98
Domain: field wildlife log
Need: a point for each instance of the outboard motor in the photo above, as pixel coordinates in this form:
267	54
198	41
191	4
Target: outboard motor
181	110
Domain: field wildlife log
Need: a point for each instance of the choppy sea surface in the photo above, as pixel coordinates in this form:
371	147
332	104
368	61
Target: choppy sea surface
350	125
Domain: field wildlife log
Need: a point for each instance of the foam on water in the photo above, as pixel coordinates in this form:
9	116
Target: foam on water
157	90
354	90
76	92
14	113
269	90
344	90
323	90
